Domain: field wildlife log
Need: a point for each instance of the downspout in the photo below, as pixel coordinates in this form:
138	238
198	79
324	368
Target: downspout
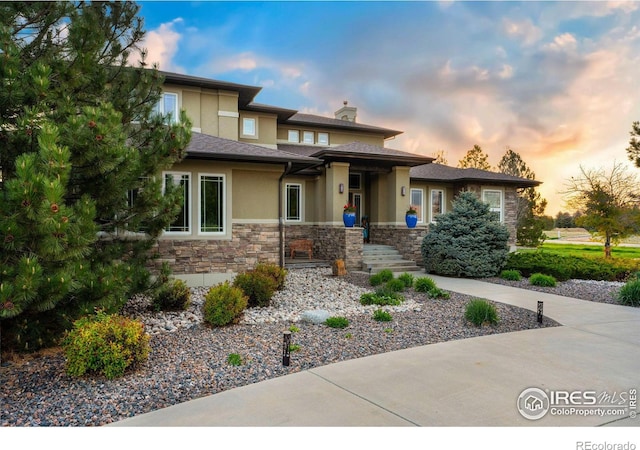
287	170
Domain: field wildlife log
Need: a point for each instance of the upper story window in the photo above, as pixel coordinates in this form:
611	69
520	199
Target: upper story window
493	197
355	181
308	137
437	203
182	223
323	138
293	136
168	106
416	201
249	126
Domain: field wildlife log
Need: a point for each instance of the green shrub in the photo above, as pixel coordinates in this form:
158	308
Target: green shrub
395	285
383	276
234	359
540	279
510	274
407	279
174	295
224	304
381	298
257	286
106	344
380	315
276	272
294	329
479	311
337	322
424	284
629	294
438	293
467	241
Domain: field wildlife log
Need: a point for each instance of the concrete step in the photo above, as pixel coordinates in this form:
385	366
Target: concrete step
377	257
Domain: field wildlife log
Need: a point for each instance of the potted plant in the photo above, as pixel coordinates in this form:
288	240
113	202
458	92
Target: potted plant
349	215
411	217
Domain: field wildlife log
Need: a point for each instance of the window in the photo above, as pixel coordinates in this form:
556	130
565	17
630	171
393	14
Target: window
323	138
294	136
249	126
416	202
355	181
294	202
181	224
437	203
211	204
168	106
308	137
494	199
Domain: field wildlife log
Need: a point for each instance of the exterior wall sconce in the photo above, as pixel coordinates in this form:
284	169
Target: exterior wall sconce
403	191
341	188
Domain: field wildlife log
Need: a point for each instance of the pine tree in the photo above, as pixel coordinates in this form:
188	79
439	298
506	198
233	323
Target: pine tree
475	159
467	241
530	207
81	152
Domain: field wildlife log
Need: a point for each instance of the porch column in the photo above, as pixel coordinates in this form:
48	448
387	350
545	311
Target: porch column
398	204
337	173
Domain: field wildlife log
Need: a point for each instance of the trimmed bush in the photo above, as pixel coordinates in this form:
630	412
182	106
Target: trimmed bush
173	296
540	279
629	294
407	279
380	315
337	322
224	304
395	285
257	286
479	311
276	272
467	241
510	274
424	284
106	344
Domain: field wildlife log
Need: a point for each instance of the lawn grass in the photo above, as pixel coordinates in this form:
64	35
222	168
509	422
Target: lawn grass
589	250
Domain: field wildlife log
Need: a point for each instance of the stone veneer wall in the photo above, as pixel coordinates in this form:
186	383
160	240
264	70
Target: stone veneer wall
408	241
330	242
249	245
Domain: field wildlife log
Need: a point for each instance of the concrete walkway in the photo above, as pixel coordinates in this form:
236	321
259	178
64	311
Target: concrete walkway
470	382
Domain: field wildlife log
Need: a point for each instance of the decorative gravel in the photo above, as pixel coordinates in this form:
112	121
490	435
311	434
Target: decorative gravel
188	359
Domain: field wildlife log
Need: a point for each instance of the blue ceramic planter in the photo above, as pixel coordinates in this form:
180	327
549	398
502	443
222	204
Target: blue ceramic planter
412	220
349	219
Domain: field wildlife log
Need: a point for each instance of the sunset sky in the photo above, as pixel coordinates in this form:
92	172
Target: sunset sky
558	82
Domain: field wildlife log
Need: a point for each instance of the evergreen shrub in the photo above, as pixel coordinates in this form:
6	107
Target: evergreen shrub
257	286
468	241
279	274
479	311
224	304
540	279
629	294
105	343
174	295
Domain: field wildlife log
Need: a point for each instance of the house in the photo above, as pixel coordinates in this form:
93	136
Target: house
257	177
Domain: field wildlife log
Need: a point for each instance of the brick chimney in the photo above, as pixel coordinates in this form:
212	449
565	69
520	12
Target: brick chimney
347	113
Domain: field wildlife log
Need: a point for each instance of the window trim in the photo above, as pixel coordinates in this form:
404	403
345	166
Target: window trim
421	205
224	204
286	201
442	206
253	120
499	191
187	200
297	136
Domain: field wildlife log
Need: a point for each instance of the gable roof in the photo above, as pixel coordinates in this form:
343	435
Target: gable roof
440	172
204	146
328	122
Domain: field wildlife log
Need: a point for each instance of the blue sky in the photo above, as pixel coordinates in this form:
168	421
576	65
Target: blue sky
558	82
